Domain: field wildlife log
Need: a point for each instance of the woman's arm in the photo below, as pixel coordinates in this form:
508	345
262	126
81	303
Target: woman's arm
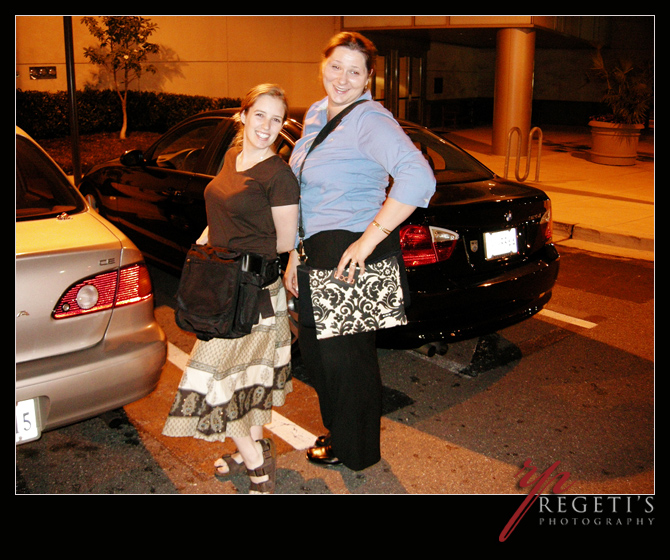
291	273
204	237
286	225
382	140
391	215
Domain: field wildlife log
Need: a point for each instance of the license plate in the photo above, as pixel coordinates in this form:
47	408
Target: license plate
500	243
27	425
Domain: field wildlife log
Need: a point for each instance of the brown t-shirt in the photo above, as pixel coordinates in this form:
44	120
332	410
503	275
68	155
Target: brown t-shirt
239	204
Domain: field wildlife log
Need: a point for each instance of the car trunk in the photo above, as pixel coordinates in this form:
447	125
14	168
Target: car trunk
52	255
484	217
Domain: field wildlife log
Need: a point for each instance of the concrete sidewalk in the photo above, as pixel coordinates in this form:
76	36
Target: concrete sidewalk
602	208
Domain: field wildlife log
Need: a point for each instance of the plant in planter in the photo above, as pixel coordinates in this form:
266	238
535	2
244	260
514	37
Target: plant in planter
628	94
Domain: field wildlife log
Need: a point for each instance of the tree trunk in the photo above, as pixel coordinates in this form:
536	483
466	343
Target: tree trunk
124	109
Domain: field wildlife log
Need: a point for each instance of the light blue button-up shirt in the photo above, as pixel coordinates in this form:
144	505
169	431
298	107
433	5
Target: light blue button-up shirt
344	180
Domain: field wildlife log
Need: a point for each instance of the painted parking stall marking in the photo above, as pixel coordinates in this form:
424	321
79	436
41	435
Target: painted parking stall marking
567	319
298	437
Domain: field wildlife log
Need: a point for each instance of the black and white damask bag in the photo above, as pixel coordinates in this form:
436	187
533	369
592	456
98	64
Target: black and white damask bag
374	301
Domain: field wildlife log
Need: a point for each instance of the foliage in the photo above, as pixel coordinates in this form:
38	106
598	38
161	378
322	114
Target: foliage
95	148
628	90
46	114
123	50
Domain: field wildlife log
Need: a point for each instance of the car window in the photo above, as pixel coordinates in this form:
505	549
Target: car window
220	156
283	147
182	149
449	164
42	191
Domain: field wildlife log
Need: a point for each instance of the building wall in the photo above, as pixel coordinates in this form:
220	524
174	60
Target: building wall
215	56
465	72
223	56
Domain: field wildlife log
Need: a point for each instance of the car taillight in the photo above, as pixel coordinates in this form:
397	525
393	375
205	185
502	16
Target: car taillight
546	222
104	291
423	245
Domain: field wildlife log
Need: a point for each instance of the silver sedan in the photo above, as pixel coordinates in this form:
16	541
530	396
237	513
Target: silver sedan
87	340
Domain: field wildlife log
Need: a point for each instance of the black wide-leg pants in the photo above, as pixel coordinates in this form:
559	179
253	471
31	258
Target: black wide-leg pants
345	373
345	369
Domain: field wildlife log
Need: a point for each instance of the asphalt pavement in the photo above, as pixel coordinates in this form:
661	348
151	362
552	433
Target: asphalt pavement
598	207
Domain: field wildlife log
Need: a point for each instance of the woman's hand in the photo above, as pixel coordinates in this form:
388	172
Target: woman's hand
291	273
356	254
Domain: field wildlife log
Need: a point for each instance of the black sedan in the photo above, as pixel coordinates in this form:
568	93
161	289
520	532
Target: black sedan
479	258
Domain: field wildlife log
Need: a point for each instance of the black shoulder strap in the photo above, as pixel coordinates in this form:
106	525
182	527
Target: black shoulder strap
331	125
325	131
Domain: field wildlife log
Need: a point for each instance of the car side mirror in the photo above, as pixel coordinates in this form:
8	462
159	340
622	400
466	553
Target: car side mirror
133	158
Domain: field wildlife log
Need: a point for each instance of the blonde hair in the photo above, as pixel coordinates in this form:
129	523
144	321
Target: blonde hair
250	98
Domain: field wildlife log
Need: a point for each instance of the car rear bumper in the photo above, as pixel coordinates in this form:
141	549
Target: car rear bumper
459	313
79	385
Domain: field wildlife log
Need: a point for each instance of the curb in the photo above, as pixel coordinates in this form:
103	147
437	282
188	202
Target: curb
587	233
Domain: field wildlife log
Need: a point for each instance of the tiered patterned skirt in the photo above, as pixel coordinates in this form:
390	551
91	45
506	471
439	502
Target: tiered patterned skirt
230	385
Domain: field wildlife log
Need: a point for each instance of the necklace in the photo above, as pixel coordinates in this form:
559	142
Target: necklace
243	164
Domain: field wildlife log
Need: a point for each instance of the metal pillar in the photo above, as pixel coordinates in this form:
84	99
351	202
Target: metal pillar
72	96
513	96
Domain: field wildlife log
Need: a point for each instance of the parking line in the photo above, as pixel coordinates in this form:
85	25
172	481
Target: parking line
567	319
290	432
177	356
281	426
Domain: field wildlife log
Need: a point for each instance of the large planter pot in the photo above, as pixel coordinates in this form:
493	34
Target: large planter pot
614	144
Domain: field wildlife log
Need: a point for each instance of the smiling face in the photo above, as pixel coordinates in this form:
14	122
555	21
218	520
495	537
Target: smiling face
262	122
345	76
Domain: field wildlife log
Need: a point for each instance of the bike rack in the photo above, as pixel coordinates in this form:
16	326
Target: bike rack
518	153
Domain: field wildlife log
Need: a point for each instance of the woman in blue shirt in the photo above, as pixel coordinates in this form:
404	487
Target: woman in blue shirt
348	218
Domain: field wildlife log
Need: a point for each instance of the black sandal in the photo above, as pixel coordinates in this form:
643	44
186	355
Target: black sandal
268	468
